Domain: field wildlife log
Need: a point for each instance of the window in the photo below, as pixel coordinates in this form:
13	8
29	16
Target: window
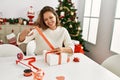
115	44
91	20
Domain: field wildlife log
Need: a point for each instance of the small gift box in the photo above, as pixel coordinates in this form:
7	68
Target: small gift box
55	59
78	47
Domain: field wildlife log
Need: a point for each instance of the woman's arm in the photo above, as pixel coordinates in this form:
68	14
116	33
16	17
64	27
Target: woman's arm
25	36
24	33
68	44
63	50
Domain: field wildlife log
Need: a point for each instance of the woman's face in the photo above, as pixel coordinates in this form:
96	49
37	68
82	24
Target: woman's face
50	20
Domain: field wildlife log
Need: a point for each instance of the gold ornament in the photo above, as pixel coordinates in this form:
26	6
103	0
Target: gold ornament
70	26
76	20
79	28
72	13
61	8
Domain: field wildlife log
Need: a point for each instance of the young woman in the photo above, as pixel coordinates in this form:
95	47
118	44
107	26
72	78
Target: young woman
57	35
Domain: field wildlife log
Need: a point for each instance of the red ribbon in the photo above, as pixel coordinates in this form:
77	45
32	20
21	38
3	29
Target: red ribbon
30	61
44	37
38	75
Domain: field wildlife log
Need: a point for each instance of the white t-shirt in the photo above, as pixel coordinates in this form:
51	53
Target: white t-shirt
57	38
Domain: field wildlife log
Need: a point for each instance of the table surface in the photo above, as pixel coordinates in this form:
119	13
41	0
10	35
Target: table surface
86	69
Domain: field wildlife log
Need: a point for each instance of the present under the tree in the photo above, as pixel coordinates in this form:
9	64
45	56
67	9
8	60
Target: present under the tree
55	59
78	47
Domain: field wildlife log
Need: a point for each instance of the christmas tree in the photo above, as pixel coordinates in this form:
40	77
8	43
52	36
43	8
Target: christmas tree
67	15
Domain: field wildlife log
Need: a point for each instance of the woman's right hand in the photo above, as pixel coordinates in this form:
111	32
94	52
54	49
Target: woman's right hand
24	33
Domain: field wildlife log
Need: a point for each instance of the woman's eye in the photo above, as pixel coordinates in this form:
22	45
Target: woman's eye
51	17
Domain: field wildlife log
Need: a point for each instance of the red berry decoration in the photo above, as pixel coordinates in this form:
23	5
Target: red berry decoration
20	56
76	59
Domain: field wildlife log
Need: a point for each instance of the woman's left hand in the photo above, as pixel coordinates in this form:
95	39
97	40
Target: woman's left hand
58	50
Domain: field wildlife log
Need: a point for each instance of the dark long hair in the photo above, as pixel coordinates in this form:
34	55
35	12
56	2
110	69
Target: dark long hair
40	20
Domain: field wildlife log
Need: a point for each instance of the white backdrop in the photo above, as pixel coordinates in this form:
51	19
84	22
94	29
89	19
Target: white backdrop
19	8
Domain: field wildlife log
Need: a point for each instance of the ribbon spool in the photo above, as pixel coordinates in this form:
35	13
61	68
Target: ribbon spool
20	56
27	72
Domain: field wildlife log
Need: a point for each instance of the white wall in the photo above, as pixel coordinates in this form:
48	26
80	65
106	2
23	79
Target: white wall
19	8
101	50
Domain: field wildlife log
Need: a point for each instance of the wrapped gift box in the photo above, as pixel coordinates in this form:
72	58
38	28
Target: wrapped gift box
78	47
55	59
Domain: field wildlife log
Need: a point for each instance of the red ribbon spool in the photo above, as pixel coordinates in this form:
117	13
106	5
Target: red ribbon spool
20	56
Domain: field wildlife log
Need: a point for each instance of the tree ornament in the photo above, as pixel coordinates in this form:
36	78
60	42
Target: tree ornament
72	13
76	20
63	22
62	14
79	28
70	26
61	8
